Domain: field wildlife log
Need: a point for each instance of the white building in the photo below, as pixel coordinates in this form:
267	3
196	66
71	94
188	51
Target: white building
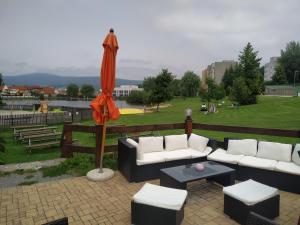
125	90
216	70
270	68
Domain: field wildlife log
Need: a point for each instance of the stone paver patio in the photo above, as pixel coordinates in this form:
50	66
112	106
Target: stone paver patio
86	202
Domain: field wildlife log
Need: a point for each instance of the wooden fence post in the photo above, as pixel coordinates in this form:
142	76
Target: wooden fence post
99	129
66	139
188	125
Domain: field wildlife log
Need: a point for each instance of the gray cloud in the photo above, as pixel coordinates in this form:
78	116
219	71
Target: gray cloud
65	37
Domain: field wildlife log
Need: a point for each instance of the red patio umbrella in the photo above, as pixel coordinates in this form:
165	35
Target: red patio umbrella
104	107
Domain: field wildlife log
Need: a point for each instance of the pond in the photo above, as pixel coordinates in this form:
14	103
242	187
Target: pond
64	103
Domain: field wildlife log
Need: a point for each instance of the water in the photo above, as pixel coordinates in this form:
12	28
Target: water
65	103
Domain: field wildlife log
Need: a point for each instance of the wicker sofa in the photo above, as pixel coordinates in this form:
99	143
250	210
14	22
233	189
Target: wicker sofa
271	163
142	159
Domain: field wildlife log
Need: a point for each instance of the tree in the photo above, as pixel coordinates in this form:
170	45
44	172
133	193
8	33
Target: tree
240	92
148	83
72	90
138	97
279	76
190	84
1	80
249	69
213	92
1	84
87	90
220	93
162	89
290	60
176	87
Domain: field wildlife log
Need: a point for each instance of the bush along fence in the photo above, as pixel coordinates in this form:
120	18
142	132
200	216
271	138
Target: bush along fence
68	147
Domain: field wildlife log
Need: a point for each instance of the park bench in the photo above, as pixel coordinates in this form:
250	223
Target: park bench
19	135
41	137
24	127
42	145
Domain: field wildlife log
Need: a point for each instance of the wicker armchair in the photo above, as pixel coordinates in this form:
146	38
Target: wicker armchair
256	219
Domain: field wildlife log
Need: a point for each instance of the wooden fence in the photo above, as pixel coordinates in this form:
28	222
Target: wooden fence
33	119
68	148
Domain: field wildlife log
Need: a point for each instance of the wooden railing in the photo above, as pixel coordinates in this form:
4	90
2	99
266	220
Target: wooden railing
68	147
248	130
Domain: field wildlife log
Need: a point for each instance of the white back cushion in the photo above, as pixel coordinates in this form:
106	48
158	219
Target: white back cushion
295	156
273	150
246	147
174	142
132	142
197	142
149	144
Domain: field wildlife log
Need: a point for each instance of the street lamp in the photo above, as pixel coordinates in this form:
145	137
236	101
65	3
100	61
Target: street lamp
295	74
188	113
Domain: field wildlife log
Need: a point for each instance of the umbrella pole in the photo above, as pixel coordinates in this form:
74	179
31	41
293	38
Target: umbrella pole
103	139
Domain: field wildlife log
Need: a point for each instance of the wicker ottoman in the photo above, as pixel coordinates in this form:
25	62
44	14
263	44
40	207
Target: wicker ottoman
158	205
242	198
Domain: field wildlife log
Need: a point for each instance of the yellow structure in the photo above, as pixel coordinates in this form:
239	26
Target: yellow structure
43	108
124	111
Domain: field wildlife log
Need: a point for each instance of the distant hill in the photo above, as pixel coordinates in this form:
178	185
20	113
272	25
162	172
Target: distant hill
45	79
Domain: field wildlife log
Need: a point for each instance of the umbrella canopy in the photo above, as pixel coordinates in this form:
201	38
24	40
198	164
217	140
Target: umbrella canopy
104	108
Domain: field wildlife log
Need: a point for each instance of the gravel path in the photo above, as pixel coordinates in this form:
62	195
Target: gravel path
37	177
31	165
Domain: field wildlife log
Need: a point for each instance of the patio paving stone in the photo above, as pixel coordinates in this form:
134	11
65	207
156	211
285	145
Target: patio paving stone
86	203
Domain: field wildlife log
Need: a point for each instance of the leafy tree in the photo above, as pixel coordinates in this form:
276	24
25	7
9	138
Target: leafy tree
138	97
176	87
229	76
41	96
72	90
190	84
249	69
290	60
1	84
240	91
1	80
162	89
149	83
279	76
220	93
213	92
87	90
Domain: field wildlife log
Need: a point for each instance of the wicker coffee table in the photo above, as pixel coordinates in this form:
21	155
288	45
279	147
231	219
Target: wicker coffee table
179	176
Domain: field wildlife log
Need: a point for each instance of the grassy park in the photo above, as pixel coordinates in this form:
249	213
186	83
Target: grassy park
270	112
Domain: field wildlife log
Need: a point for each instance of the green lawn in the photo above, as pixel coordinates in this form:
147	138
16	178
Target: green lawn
270	112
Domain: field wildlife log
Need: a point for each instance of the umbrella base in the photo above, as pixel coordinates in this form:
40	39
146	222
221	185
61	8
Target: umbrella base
94	175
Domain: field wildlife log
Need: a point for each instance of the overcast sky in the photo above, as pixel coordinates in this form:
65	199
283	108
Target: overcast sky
64	37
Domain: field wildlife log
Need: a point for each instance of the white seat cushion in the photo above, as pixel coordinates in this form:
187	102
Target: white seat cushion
152	157
149	144
177	154
197	142
250	161
288	167
295	156
250	192
220	155
174	142
273	150
198	154
242	147
162	197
